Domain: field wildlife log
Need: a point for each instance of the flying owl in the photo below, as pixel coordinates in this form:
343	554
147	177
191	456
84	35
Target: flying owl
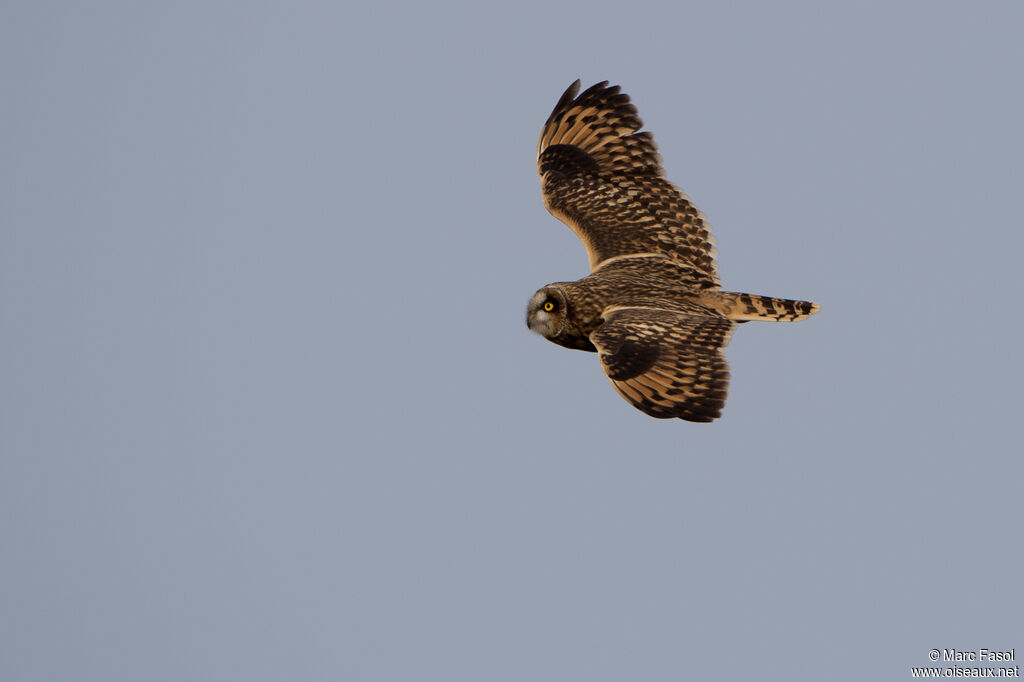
652	306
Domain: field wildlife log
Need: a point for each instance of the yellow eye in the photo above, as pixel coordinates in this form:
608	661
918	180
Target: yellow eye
549	306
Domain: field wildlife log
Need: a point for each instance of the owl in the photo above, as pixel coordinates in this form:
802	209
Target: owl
652	307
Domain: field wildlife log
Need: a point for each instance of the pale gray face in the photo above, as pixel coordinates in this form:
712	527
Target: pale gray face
546	313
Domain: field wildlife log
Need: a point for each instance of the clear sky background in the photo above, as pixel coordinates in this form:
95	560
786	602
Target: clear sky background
269	409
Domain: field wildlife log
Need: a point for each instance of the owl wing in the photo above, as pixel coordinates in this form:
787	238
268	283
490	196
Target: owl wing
604	180
667	363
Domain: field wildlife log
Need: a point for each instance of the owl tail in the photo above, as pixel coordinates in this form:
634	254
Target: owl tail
745	307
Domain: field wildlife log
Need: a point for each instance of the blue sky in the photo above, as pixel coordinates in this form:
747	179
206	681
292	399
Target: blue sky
270	409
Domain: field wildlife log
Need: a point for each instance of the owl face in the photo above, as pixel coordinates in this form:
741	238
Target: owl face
547	313
551	315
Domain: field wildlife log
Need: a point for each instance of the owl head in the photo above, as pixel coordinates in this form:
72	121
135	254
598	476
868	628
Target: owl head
551	315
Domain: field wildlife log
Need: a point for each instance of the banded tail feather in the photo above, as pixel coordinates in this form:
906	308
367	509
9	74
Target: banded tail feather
744	307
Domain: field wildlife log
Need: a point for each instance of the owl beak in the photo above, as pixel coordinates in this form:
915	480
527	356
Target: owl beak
540	324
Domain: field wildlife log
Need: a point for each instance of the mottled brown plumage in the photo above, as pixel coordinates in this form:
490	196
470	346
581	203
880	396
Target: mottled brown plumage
651	306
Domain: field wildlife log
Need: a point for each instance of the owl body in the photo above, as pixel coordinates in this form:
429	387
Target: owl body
652	306
622	283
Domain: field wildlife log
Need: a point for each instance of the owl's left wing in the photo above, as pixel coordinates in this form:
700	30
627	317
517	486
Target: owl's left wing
667	363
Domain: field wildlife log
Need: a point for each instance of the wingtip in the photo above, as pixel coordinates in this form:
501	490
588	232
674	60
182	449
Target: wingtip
570	93
573	90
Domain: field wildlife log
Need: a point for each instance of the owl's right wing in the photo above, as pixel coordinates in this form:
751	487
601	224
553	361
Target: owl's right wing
604	179
667	363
